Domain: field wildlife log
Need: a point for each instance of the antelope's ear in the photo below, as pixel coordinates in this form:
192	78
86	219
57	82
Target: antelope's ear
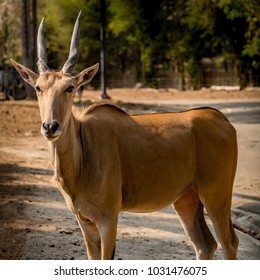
86	75
28	75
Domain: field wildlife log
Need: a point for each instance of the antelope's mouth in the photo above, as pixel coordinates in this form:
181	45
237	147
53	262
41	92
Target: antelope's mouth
51	138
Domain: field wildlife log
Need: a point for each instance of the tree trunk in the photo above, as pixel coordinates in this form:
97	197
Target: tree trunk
28	39
25	33
34	35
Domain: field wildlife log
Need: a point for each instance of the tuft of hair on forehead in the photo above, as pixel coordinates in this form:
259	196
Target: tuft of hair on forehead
50	77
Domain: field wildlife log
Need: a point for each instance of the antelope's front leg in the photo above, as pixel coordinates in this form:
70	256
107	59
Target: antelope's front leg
108	230
91	237
99	236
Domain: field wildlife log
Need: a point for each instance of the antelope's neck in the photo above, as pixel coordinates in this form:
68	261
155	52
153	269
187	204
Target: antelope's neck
66	156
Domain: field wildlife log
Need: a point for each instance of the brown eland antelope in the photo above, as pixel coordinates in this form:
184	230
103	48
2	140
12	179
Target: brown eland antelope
106	161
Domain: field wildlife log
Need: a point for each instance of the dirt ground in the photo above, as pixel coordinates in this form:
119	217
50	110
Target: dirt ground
35	222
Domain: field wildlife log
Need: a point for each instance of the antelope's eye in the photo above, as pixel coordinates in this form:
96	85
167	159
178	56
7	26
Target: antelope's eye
69	89
38	89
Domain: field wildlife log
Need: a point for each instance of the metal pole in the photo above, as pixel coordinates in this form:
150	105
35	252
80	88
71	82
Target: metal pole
103	49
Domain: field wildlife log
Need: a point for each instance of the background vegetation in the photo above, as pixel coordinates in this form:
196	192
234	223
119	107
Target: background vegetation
147	40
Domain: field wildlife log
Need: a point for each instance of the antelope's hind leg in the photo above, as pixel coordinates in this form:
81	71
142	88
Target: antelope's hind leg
190	211
219	213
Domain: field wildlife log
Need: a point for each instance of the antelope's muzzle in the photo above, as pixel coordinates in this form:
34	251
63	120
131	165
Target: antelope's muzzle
51	130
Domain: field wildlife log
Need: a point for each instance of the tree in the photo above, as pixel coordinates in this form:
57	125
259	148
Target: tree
9	32
29	38
138	25
145	38
211	28
241	36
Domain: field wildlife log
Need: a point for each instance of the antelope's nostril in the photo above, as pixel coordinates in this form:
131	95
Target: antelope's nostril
54	127
50	128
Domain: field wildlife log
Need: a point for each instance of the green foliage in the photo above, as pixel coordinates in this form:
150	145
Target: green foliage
147	37
9	34
60	17
123	16
241	33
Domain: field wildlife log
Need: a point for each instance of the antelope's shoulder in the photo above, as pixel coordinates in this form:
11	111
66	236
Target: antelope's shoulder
100	112
104	107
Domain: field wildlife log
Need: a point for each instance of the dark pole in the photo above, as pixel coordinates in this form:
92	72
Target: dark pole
103	49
